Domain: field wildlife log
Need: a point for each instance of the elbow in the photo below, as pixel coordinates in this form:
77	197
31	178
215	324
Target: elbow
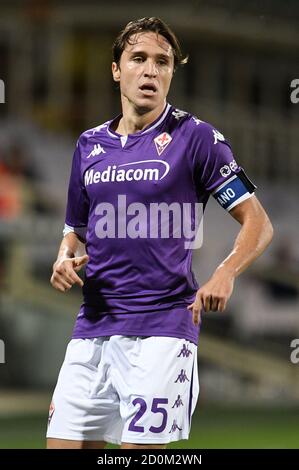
268	231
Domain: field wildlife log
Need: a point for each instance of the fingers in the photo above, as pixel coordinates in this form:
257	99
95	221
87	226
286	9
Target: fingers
64	285
212	303
207	303
196	309
64	273
71	276
79	262
222	305
216	292
196	315
59	283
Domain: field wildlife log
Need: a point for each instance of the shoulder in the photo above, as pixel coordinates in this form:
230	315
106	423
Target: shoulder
195	129
94	132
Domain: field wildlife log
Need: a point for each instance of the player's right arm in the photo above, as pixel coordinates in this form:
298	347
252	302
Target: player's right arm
72	255
68	263
217	172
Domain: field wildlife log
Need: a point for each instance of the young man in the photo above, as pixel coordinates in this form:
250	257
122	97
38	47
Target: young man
130	371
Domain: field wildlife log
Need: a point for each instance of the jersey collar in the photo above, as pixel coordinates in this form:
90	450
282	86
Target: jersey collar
148	129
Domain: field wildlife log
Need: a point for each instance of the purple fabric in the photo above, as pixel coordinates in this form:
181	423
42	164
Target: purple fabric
176	322
142	286
190	398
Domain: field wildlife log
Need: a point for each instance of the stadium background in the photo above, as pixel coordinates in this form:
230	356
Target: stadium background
55	63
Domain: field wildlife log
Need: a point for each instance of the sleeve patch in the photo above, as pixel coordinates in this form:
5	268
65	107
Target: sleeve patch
233	191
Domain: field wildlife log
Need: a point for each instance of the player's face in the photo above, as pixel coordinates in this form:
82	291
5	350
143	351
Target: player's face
145	71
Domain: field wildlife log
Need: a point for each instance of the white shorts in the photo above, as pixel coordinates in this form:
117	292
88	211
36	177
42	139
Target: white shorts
125	389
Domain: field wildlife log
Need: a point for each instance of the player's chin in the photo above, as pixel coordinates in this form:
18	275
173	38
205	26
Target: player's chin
148	104
145	106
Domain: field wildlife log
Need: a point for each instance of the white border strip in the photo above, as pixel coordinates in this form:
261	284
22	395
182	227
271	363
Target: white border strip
158	122
223	184
81	231
241	199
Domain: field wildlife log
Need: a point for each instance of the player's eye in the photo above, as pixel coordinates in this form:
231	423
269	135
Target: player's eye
138	59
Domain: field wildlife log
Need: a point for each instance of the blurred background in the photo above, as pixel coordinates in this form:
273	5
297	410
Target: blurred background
55	65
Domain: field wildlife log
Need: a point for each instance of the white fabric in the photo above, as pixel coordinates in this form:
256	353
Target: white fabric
81	231
101	377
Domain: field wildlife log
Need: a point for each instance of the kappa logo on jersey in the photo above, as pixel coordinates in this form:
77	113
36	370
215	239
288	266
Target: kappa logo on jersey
99	128
97	150
162	141
178	113
218	136
196	120
226	170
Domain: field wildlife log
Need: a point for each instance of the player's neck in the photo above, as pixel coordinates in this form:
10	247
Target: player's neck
133	121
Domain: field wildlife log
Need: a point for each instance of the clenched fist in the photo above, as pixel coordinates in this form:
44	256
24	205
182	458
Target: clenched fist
65	272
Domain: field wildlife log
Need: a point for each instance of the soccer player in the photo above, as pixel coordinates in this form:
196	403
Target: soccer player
130	372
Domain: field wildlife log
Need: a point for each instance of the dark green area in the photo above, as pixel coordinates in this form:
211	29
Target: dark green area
212	428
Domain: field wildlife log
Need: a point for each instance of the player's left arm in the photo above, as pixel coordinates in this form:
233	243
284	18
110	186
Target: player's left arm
255	235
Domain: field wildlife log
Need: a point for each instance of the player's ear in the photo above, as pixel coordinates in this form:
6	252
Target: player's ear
115	72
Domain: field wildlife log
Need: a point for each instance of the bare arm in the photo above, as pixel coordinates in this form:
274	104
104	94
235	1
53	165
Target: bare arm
255	235
70	259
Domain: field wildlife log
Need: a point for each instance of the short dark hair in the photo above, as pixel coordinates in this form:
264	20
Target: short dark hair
155	25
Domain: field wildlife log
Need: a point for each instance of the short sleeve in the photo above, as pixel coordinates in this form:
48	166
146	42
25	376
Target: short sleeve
77	202
217	172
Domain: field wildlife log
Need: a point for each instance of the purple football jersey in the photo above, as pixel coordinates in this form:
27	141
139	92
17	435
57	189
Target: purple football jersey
139	281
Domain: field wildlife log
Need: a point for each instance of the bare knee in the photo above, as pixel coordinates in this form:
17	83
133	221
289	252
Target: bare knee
69	444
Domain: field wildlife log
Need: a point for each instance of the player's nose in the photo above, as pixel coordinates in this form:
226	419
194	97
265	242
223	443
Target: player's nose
150	68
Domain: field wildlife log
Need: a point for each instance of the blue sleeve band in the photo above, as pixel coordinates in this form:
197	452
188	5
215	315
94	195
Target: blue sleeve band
232	192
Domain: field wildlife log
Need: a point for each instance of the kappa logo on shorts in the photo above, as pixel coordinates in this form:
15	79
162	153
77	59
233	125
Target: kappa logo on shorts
51	412
162	141
178	402
185	351
182	377
174	427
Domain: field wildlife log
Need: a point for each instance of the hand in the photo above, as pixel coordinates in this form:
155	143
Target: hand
213	295
64	272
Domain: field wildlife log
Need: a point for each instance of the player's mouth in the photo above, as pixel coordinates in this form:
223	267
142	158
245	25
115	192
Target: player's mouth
148	89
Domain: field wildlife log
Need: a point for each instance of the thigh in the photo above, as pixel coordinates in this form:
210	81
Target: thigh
126	445
158	389
85	407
